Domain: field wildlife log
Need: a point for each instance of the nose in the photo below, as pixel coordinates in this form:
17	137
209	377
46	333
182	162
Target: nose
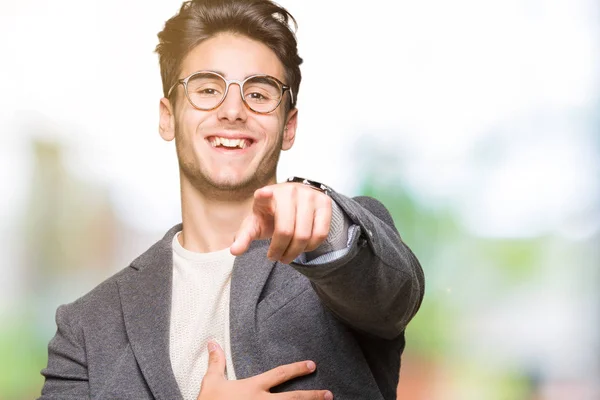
233	108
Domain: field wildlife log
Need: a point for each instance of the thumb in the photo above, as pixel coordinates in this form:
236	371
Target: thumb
216	361
245	235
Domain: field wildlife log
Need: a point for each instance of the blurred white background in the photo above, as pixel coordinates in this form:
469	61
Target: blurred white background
488	110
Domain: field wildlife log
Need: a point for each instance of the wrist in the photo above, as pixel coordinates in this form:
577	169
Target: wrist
312	184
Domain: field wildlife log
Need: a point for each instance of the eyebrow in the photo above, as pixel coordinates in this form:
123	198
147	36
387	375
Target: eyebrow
225	75
264	79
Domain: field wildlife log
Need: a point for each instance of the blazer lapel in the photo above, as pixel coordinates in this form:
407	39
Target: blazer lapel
250	273
146	301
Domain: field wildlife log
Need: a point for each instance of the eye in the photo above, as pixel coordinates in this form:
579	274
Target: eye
208	91
256	96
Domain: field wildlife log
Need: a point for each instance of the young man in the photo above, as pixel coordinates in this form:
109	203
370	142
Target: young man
263	281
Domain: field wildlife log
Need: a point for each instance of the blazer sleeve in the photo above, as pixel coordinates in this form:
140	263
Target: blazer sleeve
378	285
66	374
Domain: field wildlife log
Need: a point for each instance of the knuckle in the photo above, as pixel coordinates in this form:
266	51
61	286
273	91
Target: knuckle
311	247
321	235
282	373
285	233
316	241
319	199
302	237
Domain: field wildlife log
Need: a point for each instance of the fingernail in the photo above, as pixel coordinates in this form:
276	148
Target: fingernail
328	396
211	347
311	365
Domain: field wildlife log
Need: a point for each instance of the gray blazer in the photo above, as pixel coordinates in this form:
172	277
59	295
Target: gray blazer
348	316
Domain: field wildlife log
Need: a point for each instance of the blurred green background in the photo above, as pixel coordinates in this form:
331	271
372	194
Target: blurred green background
476	123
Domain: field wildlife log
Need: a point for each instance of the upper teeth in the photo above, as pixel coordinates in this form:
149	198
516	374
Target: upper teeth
216	141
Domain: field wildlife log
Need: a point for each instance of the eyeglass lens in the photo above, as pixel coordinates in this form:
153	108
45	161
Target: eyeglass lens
206	91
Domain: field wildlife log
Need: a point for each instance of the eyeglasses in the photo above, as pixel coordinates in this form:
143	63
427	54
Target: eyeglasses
206	90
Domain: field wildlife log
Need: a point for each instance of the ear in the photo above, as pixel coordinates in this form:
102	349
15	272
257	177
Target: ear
289	133
166	123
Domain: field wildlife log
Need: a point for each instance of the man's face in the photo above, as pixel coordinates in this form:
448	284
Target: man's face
211	167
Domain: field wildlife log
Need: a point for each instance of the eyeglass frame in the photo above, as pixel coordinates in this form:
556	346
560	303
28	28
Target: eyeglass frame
228	82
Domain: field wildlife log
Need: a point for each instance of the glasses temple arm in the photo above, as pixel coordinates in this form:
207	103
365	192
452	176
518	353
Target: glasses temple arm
179	82
291	93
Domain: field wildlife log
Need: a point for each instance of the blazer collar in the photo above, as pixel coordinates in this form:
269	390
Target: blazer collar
250	273
146	301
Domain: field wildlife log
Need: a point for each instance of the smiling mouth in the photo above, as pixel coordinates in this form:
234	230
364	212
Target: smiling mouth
226	143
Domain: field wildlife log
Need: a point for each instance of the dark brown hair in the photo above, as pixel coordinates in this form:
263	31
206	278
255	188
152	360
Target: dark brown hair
198	20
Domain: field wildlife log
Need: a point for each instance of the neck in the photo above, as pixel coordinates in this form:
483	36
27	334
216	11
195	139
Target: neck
209	223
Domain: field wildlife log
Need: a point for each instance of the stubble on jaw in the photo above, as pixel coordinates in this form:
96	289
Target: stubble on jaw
190	168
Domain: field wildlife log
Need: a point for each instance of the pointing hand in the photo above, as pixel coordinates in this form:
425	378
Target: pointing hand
295	217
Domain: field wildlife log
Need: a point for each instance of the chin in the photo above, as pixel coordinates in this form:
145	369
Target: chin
232	182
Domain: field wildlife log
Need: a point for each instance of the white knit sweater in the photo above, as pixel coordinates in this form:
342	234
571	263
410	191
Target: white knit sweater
199	313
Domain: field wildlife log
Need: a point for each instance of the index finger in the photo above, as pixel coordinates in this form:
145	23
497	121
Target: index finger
263	199
284	373
304	395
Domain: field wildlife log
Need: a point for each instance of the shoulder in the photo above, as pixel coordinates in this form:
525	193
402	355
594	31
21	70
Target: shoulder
100	300
372	204
105	298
